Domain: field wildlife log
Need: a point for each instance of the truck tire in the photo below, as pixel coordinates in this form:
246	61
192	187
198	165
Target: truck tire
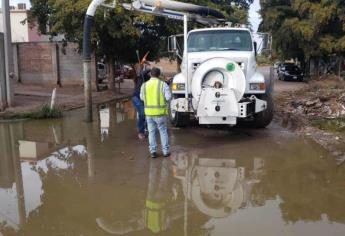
264	118
179	119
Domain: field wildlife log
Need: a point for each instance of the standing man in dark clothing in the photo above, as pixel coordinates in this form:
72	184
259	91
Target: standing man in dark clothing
139	104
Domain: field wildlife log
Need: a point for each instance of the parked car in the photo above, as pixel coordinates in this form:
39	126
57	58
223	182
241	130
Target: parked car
281	66
289	71
124	72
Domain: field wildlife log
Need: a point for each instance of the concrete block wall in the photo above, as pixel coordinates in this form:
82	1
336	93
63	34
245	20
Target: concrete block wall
49	63
35	63
70	64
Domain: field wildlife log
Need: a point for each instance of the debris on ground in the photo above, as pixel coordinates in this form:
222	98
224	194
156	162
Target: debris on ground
322	99
318	111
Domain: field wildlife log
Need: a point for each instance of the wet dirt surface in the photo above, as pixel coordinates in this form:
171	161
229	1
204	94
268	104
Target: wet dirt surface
66	177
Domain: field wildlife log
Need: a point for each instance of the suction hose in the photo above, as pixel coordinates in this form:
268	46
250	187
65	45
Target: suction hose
185	7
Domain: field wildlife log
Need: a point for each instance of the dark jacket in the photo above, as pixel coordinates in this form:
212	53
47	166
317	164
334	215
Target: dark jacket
144	76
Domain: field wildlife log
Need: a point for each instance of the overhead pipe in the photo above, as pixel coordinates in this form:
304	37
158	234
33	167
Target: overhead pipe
150	8
185	7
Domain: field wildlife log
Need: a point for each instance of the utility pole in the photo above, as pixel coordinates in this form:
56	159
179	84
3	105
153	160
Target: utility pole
3	99
9	67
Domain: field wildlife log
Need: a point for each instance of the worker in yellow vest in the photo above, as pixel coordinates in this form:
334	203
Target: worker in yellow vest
156	93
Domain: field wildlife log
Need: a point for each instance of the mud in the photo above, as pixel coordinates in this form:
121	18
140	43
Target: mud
66	177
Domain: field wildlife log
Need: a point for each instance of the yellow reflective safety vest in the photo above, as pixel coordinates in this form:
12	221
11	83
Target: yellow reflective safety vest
154	100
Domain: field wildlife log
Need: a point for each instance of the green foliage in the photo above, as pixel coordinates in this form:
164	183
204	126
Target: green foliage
264	60
41	11
119	33
305	28
235	11
43	112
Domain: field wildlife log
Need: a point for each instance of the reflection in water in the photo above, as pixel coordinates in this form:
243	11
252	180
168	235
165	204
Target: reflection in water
104	116
215	187
31	151
70	177
156	215
112	115
24	183
21	166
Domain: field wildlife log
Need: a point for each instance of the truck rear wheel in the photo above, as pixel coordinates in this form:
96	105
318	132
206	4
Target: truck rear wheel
264	118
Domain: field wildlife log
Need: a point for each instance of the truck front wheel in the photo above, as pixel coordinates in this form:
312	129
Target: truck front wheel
264	118
178	119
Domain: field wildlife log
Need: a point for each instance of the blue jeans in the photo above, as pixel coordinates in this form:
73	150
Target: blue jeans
139	106
160	123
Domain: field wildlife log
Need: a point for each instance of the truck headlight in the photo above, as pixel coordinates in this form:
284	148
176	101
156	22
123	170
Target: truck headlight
178	86
258	86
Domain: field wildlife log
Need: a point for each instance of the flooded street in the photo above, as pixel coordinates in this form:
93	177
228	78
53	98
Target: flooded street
66	177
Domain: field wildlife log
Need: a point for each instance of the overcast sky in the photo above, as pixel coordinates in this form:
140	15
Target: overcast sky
254	17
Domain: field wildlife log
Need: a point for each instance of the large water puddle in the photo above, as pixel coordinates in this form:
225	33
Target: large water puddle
66	177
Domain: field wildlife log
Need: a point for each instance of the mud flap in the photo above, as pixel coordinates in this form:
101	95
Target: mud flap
179	105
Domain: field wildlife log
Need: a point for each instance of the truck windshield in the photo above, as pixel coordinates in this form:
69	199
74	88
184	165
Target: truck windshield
220	40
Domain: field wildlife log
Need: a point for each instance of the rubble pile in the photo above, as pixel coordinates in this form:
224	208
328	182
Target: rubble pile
318	111
321	100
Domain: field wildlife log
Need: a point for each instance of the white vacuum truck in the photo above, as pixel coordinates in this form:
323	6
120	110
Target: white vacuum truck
218	83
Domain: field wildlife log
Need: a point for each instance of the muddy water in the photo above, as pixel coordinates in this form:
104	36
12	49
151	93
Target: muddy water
65	177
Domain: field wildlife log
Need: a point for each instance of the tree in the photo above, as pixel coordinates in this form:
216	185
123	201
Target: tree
119	33
305	29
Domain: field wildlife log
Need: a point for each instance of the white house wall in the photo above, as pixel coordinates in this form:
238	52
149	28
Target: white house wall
19	26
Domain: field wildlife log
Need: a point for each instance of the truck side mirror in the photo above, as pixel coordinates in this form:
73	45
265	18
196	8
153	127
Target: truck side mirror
172	44
256	48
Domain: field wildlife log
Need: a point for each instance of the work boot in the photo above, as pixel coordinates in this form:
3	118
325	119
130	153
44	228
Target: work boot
154	155
166	155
